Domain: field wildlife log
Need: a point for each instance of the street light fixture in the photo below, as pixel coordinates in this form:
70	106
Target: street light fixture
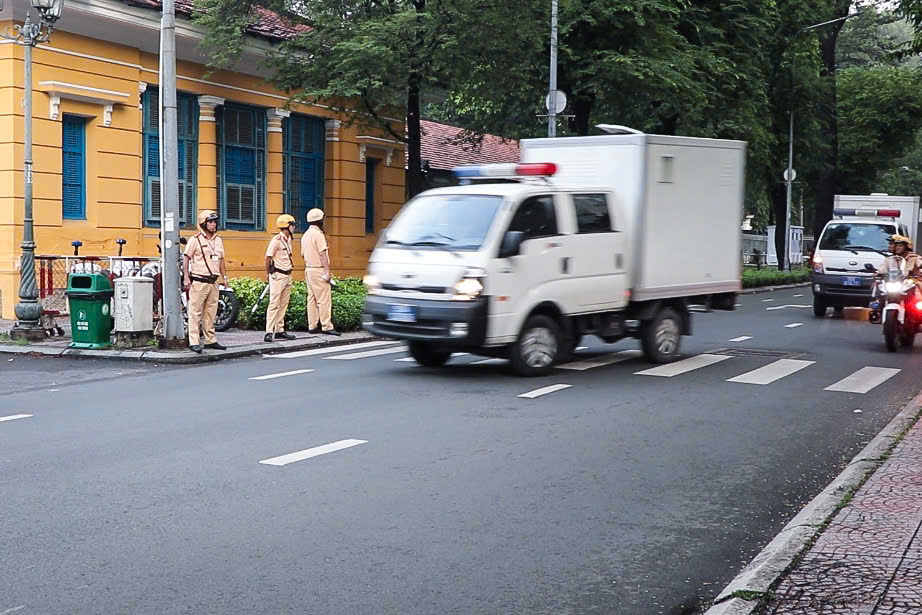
29	34
789	176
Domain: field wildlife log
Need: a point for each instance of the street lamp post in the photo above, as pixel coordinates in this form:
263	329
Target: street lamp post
789	174
29	34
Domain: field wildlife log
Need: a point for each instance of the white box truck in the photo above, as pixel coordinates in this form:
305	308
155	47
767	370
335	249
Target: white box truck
613	236
852	246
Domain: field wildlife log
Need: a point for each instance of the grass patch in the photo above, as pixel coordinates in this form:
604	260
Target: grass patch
757	278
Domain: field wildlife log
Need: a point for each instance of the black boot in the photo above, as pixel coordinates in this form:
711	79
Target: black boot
268	337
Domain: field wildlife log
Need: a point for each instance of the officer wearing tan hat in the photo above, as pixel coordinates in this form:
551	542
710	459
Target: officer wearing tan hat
316	254
278	268
203	266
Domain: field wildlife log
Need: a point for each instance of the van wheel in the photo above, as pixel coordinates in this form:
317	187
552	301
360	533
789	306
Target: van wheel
661	337
427	355
535	351
819	307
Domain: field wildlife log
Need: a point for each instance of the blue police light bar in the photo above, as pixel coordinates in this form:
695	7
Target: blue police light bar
526	169
870	213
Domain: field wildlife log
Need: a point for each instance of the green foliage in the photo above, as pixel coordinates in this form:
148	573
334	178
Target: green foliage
757	278
880	111
348	298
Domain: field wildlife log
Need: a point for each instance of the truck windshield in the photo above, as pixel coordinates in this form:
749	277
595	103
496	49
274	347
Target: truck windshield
857	237
449	221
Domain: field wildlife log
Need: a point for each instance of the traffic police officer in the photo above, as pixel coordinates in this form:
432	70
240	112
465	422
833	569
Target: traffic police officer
317	274
203	265
278	268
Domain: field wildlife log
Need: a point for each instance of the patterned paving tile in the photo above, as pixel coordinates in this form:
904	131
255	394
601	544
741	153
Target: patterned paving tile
904	596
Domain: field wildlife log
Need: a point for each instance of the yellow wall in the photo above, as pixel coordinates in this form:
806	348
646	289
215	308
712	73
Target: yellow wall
114	204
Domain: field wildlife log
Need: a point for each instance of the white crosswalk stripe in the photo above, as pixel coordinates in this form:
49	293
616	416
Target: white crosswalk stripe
609	359
352	356
864	380
412	360
772	372
671	370
328	350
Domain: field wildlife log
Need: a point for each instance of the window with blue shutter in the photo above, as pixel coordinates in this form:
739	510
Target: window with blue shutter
370	168
242	168
187	148
73	177
302	169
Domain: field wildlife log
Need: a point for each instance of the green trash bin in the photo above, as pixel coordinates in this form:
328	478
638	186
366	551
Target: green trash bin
89	295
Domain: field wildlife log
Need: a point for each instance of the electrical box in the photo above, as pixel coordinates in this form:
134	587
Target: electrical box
134	301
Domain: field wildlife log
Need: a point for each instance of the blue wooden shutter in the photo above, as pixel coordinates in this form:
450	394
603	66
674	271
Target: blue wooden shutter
73	201
303	166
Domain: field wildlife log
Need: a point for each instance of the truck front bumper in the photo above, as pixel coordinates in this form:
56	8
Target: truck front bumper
833	293
460	324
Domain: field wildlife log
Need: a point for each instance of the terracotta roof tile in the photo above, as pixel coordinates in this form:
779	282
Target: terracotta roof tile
270	25
443	149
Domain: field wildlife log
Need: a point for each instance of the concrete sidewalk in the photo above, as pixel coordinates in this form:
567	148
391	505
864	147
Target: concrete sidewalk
854	550
239	342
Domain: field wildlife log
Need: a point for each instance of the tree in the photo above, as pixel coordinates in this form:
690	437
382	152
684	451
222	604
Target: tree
379	55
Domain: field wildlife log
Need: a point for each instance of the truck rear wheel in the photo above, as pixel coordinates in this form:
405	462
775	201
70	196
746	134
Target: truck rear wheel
427	355
661	337
536	349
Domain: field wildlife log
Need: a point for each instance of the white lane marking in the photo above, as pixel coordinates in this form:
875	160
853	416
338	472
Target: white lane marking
9	611
551	389
741	338
767	300
284	460
772	372
781	307
686	365
14	417
738	305
368	353
863	380
578	348
282	374
796	296
793	325
489	362
329	350
412	360
609	359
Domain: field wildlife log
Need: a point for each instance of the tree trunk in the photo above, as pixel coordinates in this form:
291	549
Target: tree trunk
582	114
415	177
828	182
778	196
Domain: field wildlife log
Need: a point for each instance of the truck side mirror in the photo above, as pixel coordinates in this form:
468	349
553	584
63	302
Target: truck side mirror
512	244
869	268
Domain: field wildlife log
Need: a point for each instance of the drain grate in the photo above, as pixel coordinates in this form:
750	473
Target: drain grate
757	353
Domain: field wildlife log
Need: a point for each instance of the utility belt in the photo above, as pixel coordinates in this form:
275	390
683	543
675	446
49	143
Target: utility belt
274	269
204	279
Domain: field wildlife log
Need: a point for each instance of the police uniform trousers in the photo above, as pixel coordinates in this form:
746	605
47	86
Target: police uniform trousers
319	301
279	295
203	311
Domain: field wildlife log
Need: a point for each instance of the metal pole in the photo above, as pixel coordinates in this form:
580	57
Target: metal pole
789	180
173	329
552	110
28	310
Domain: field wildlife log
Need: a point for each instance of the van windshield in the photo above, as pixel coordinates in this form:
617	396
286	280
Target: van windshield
447	221
857	237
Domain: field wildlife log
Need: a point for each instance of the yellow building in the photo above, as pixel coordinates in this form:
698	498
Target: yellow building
242	152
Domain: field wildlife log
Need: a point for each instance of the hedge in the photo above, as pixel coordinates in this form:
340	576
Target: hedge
755	278
348	299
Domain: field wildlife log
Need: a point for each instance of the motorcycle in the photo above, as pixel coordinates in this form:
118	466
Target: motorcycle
228	303
895	303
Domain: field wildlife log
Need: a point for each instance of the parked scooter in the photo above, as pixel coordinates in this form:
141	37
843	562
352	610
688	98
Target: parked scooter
896	303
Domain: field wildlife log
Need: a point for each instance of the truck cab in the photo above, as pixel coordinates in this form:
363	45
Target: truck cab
478	267
848	253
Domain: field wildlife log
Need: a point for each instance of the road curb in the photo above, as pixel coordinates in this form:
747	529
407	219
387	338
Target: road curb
771	289
771	563
187	357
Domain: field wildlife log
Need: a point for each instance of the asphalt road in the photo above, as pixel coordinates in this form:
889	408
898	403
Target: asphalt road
140	490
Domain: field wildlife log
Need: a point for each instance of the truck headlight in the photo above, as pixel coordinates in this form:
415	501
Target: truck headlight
818	264
372	284
467	289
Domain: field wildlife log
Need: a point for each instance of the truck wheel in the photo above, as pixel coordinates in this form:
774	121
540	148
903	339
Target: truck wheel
427	355
661	337
819	307
535	351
